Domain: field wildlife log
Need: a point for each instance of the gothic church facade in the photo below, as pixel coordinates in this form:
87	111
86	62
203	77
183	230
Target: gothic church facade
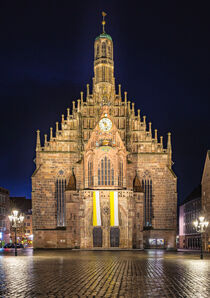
104	179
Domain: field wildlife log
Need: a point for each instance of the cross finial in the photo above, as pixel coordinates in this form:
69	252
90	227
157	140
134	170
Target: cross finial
103	22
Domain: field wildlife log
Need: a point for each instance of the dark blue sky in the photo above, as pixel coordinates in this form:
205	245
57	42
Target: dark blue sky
161	53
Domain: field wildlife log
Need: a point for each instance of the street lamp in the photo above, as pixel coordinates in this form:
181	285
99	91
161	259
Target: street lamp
16	221
200	225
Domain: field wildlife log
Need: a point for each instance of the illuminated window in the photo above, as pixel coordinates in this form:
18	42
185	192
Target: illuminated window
103	49
147	186
105	172
109	52
97	51
60	197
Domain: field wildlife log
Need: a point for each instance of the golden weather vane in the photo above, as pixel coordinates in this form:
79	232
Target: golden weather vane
103	22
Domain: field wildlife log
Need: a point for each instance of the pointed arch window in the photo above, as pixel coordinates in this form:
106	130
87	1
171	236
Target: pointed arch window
103	47
147	186
60	198
105	172
109	52
97	51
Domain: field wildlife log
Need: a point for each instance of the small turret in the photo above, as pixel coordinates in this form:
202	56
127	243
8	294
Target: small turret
88	90
57	126
125	94
62	118
119	90
129	106
38	142
156	135
133	111
51	133
73	103
139	115
81	97
45	140
161	142
169	150
144	120
150	128
78	105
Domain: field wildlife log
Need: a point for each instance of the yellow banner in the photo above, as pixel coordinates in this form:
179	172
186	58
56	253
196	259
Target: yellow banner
111	208
96	209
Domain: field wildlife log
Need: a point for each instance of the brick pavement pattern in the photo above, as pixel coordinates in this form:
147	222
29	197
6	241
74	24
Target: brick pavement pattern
104	274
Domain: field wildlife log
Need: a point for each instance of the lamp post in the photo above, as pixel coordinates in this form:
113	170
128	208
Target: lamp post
200	225
16	221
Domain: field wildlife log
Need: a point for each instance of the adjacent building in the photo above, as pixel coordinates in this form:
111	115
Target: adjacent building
205	186
104	178
4	221
189	211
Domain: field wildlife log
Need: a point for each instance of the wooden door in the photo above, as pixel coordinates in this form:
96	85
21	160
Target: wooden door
114	237
97	237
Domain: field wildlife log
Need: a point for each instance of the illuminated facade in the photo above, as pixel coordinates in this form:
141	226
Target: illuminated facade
205	199
189	211
4	220
104	179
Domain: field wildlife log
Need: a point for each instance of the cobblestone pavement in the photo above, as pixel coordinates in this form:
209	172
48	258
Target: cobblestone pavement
103	274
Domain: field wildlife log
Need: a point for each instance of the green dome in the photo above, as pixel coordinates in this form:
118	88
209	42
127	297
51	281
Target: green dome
104	35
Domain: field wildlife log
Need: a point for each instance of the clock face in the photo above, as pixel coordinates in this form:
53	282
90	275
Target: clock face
105	124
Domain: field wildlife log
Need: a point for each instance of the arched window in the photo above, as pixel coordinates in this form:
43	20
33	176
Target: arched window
103	47
120	176
109	52
147	186
97	51
60	198
90	173
105	172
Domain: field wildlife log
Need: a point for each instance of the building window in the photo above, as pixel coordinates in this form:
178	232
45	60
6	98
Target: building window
103	49
60	197
97	51
147	186
105	172
109	52
120	177
90	173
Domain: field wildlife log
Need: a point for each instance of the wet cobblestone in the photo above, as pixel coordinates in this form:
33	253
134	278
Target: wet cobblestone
103	274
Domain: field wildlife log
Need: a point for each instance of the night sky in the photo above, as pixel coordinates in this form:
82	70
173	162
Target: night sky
161	55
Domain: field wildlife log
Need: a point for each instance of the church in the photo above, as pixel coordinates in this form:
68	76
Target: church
103	179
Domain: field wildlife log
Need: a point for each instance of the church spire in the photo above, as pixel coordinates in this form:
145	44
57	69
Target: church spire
103	81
